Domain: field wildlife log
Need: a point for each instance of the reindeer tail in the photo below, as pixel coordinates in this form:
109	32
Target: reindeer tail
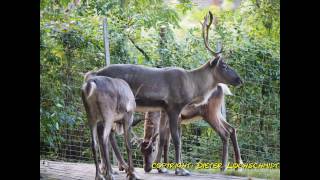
89	75
89	88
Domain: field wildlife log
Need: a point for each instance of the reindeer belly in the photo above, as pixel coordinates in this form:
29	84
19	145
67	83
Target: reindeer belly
148	109
191	120
149	105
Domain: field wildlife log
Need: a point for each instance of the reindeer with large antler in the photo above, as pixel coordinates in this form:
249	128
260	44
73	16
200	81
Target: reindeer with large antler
171	89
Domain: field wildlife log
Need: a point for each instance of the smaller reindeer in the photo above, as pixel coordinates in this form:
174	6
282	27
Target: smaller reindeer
209	111
109	103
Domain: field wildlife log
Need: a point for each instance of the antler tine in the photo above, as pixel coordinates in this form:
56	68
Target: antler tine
219	47
135	139
205	33
153	138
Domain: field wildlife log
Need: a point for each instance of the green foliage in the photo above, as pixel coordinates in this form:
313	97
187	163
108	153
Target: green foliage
71	37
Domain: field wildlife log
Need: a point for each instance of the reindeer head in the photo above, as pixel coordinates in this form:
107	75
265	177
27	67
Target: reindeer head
222	73
149	151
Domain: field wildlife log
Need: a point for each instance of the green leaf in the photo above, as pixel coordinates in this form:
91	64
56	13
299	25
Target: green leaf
57	126
53	114
59	105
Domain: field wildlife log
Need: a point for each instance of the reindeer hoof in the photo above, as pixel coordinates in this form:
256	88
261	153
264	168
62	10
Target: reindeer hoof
182	172
99	177
133	176
109	177
115	172
223	168
239	169
163	170
121	168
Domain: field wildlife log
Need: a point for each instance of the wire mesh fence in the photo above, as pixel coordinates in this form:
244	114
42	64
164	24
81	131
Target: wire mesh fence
64	134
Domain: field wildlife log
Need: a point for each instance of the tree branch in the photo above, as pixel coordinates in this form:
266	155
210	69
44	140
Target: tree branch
141	50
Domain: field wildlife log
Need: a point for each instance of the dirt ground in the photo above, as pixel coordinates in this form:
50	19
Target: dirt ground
54	170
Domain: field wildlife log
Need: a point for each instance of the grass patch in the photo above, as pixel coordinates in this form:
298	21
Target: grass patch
271	174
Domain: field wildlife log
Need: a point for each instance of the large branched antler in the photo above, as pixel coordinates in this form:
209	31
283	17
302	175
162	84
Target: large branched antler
205	33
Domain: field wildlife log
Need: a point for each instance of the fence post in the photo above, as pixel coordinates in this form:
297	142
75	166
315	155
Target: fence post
106	41
162	47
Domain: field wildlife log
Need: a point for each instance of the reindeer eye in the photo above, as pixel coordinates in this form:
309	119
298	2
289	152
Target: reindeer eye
224	66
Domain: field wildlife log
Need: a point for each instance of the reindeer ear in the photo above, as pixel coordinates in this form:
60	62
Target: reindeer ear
154	137
215	61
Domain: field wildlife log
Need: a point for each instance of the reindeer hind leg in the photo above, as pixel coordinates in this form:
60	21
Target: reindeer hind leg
216	124
127	128
233	136
122	164
104	143
95	151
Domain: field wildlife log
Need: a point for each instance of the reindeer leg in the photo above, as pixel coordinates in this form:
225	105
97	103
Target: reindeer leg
225	143
166	149
100	131
166	146
167	141
95	149
216	124
93	124
180	135
175	134
159	154
163	133
104	147
122	164
127	128
234	141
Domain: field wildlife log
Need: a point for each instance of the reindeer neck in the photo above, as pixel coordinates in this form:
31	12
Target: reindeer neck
202	79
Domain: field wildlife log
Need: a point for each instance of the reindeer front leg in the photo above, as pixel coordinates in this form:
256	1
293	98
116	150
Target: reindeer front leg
175	134
166	144
163	133
159	154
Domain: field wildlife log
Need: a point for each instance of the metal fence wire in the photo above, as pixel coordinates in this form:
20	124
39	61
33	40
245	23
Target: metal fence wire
65	136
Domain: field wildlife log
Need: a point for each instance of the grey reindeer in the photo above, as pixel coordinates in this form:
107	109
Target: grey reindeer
109	103
171	89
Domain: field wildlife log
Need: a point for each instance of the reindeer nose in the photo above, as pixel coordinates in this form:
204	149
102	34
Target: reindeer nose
239	81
